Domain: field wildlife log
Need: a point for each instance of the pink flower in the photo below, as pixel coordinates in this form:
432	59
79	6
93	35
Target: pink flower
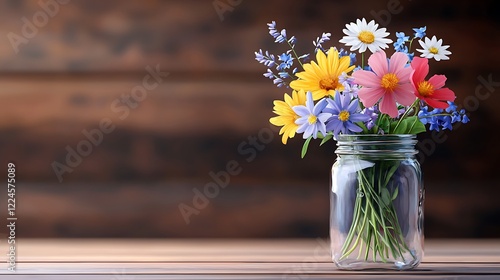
389	83
431	91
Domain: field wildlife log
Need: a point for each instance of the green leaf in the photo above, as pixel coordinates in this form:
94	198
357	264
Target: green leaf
416	125
363	126
395	193
399	127
408	125
383	123
386	196
327	137
305	146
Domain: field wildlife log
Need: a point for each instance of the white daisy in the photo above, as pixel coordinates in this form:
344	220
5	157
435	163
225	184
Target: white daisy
433	48
361	35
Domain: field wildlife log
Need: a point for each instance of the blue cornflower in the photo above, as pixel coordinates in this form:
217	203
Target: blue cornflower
311	117
344	114
286	61
420	32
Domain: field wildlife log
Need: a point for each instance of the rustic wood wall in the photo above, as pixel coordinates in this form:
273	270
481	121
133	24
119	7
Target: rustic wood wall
68	66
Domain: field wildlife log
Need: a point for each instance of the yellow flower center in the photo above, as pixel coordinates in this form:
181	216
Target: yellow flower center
389	81
344	116
433	50
366	37
425	88
328	83
312	119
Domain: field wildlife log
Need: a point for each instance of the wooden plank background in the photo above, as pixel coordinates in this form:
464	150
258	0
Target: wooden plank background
67	76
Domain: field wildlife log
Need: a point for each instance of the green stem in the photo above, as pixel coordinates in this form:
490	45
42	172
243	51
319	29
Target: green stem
375	221
405	114
295	54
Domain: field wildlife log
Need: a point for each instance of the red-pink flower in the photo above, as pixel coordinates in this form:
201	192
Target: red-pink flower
389	83
430	91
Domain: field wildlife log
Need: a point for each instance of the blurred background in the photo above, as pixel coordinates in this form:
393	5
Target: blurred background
105	148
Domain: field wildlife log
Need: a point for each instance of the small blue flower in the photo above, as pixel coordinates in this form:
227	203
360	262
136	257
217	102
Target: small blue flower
321	40
353	58
350	90
344	78
284	75
272	29
410	56
423	114
451	107
465	119
420	32
286	61
399	45
439	119
311	117
269	74
267	59
277	80
351	55
344	114
280	36
446	122
304	58
372	113
402	37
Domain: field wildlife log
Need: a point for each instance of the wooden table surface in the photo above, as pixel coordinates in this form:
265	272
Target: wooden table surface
121	259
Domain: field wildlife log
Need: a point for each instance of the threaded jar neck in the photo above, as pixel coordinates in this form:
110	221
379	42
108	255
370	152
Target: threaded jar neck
389	145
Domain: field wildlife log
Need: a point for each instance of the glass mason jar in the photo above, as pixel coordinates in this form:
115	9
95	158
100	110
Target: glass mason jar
376	203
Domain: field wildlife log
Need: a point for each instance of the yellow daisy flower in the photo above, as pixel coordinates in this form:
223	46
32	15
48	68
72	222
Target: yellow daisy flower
286	116
322	78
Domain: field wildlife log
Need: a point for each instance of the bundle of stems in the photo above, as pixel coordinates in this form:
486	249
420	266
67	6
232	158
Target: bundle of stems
375	228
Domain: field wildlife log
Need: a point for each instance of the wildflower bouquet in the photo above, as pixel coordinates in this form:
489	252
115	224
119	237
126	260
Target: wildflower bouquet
345	92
